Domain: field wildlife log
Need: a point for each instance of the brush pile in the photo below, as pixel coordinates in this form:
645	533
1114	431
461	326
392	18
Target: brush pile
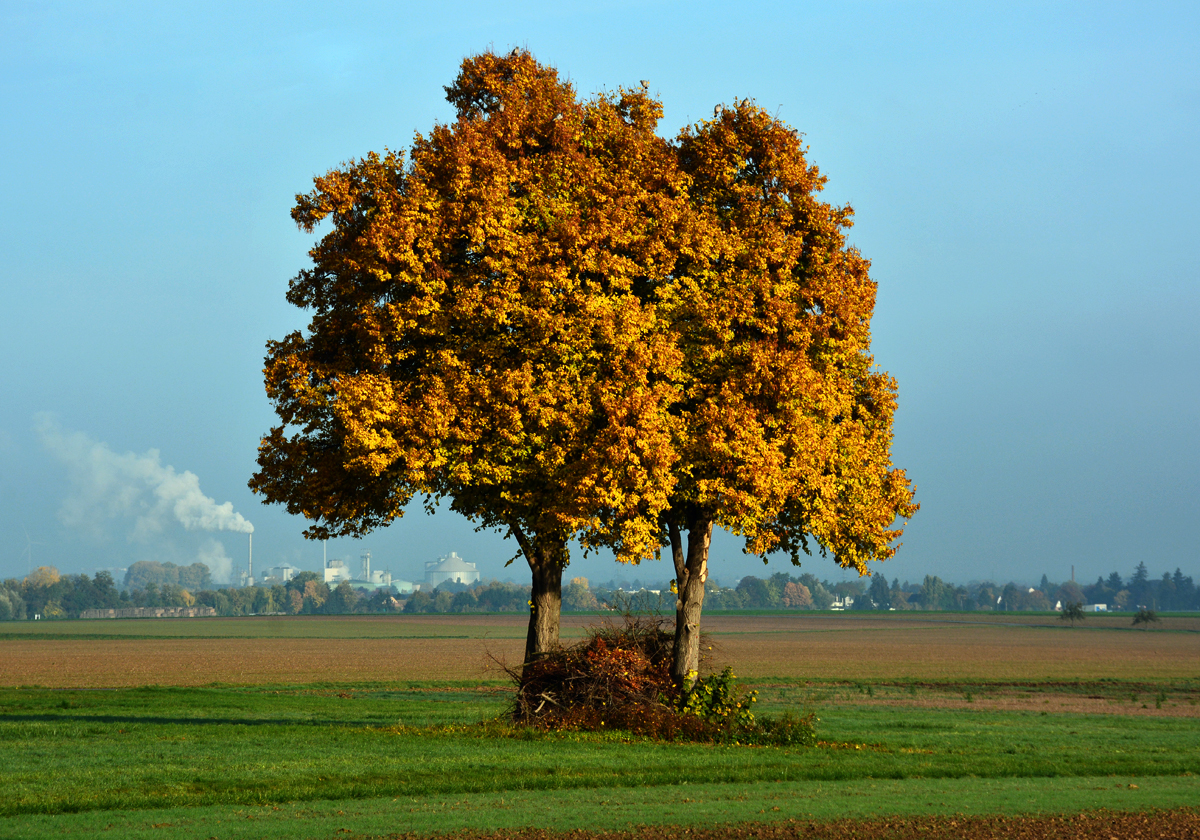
619	678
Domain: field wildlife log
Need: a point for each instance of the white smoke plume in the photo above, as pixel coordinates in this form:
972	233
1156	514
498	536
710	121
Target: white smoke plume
212	554
107	485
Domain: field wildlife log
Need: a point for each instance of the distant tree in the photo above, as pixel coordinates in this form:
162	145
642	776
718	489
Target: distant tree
797	596
935	594
295	602
464	601
1185	590
264	599
577	597
1145	616
1139	586
1069	591
1165	595
1036	601
12	605
1098	592
418	602
316	593
341	599
756	594
880	593
195	577
1072	612
300	580
822	597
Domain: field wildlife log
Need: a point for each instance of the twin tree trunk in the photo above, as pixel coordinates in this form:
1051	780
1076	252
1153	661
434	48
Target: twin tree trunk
548	557
691	573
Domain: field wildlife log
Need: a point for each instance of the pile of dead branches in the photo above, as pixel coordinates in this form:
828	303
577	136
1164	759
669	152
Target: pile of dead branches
617	678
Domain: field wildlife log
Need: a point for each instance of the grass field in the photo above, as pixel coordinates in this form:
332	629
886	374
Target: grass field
321	727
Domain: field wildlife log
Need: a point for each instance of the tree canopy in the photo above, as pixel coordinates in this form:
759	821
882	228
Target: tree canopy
477	331
785	424
568	326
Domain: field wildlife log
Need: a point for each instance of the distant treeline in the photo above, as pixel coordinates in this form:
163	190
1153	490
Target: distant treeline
49	594
1171	592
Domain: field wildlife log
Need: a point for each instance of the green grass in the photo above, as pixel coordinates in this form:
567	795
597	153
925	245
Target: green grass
608	808
203	754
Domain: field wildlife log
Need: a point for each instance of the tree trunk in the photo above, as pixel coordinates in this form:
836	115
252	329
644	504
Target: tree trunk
691	573
546	558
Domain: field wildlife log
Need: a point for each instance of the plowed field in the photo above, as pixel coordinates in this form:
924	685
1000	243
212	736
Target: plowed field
115	653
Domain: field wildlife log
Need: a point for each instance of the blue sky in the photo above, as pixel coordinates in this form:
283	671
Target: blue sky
1025	182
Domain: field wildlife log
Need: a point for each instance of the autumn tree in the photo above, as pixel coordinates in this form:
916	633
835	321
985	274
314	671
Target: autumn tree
785	424
797	596
479	332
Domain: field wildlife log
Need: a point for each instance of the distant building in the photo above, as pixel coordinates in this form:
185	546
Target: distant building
336	571
1096	608
451	568
281	573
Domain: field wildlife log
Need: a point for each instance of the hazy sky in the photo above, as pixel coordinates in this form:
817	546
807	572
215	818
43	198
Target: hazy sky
1025	181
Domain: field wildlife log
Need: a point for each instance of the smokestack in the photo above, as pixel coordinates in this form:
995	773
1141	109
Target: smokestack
250	561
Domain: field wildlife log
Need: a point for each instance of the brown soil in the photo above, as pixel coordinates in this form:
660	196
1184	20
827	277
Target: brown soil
115	663
1012	699
1179	824
300	649
866	650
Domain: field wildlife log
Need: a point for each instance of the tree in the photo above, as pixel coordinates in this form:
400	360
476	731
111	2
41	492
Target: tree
578	597
785	425
936	594
757	593
797	596
1139	586
879	593
141	574
1145	617
1072	612
477	334
341	599
1069	591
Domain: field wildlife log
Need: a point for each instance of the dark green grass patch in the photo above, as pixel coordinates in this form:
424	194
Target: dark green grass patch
610	809
74	751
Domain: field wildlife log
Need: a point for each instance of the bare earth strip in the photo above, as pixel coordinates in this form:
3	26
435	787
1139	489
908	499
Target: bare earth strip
1180	824
949	652
115	663
306	649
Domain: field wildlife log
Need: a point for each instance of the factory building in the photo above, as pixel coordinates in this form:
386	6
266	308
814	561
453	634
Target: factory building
280	574
337	571
451	568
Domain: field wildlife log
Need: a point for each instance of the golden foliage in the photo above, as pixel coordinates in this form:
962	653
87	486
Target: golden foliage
477	332
567	325
785	423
